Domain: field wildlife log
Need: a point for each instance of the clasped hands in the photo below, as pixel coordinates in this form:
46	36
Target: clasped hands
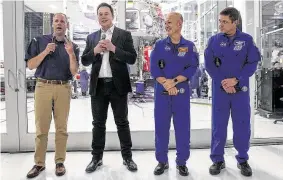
104	45
169	85
229	85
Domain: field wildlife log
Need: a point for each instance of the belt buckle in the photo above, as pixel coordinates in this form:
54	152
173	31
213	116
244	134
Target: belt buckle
51	81
107	80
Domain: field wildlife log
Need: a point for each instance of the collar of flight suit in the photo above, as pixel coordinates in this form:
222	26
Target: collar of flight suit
182	41
237	34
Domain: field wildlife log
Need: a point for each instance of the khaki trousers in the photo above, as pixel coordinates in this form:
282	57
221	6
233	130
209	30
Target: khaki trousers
44	95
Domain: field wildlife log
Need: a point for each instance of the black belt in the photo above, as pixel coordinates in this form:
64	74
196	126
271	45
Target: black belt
105	80
52	81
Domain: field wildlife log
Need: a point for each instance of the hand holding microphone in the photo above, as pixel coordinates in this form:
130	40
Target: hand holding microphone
107	45
50	48
99	48
103	37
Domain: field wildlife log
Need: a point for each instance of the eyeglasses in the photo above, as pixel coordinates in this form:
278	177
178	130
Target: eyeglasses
223	22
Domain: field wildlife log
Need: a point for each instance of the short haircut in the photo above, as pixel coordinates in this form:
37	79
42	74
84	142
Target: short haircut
177	14
63	15
105	5
232	12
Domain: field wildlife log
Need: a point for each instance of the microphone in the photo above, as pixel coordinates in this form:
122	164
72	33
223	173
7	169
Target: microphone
161	63
52	41
103	37
217	62
181	91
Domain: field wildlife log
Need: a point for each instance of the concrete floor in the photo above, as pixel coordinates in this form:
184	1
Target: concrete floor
266	162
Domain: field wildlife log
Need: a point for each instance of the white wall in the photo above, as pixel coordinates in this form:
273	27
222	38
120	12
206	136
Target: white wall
250	22
240	5
1	33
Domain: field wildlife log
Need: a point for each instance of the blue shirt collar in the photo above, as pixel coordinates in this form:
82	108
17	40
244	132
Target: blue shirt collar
182	40
51	38
237	34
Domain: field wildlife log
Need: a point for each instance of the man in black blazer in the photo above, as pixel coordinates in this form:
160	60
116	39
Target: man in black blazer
109	50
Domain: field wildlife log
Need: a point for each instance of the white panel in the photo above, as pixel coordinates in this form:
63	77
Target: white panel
141	140
10	140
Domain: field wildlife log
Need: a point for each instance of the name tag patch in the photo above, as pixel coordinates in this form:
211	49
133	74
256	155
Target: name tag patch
239	45
182	51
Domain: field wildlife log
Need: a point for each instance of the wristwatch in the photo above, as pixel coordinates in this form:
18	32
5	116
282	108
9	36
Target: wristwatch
175	80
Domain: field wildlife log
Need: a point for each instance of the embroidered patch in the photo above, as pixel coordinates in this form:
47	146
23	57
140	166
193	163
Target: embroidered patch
182	91
223	44
183	49
167	48
244	88
181	54
239	45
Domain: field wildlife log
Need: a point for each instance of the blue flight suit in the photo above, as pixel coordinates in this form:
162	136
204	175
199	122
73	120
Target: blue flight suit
227	58
180	59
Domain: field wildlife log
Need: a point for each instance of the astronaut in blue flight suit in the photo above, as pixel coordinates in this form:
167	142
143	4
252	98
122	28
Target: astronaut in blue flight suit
174	61
231	57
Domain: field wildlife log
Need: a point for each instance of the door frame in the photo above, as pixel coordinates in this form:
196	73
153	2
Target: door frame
10	139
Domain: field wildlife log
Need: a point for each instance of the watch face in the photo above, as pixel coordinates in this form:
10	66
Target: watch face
175	80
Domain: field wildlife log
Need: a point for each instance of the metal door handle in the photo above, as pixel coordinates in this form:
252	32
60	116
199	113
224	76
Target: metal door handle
15	88
19	73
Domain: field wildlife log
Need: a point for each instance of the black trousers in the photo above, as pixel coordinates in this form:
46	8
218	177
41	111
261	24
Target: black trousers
106	93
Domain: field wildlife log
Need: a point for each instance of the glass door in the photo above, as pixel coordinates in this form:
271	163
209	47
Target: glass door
9	87
34	19
269	79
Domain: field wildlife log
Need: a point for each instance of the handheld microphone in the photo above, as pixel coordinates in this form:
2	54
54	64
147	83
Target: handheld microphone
52	41
103	37
181	91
